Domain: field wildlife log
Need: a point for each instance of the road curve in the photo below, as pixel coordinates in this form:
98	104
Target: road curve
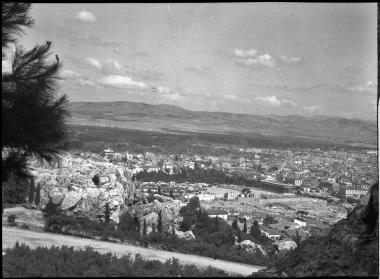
34	239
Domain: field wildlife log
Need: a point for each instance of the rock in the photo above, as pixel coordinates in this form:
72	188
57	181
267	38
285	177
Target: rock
286	245
188	235
251	247
70	201
57	197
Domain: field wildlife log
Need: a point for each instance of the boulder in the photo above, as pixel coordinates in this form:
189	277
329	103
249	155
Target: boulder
70	201
188	235
56	197
286	245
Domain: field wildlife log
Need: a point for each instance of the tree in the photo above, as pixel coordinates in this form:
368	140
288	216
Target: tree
235	225
107	214
245	226
31	192
255	230
37	197
33	113
144	227
269	220
153	228
32	117
159	226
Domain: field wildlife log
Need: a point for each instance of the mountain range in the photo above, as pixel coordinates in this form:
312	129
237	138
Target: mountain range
174	119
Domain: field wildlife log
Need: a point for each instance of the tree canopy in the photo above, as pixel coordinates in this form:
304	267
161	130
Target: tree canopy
33	111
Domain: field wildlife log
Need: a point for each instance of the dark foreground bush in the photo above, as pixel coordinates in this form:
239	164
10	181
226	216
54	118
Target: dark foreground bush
22	261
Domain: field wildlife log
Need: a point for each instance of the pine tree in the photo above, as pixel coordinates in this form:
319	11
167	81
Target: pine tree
33	114
107	214
31	192
239	236
159	226
144	227
37	197
153	228
235	225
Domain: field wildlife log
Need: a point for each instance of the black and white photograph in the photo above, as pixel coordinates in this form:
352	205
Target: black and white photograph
226	139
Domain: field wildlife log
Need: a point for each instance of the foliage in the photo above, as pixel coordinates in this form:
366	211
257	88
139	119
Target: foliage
22	261
15	190
33	114
269	220
11	219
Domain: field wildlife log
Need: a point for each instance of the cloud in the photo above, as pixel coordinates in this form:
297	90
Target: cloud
290	60
164	90
85	16
245	53
112	66
252	58
274	101
86	82
173	97
118	81
198	70
231	97
314	108
69	74
93	62
364	87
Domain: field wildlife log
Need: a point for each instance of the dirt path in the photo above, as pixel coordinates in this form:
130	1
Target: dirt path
34	239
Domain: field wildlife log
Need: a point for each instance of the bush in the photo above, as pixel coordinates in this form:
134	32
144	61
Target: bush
22	261
12	220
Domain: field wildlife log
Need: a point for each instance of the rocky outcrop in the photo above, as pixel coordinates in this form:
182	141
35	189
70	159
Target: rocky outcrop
250	247
150	213
288	245
188	235
70	184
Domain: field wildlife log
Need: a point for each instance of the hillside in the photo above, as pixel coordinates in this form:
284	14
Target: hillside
341	252
173	119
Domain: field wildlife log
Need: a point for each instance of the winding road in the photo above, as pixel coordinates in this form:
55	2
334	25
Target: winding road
33	239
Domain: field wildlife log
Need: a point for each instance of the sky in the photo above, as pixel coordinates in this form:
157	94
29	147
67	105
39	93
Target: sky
258	58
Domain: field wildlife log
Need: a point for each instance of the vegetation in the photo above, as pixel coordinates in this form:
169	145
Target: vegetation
214	238
33	114
22	261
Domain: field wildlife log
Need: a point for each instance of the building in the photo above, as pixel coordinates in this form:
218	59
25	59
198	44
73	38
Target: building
270	232
206	197
229	196
352	192
299	223
167	167
277	187
212	213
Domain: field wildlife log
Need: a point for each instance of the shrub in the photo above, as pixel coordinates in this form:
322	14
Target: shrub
22	261
12	220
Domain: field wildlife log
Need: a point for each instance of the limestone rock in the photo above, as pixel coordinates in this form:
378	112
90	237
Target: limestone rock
184	235
286	245
71	199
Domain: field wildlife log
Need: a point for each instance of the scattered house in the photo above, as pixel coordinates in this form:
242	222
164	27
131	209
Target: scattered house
168	167
229	196
136	169
270	232
206	197
217	213
299	222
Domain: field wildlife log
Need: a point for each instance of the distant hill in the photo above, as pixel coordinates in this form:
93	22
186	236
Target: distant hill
173	119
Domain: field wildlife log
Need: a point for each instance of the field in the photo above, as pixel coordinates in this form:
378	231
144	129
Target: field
95	139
